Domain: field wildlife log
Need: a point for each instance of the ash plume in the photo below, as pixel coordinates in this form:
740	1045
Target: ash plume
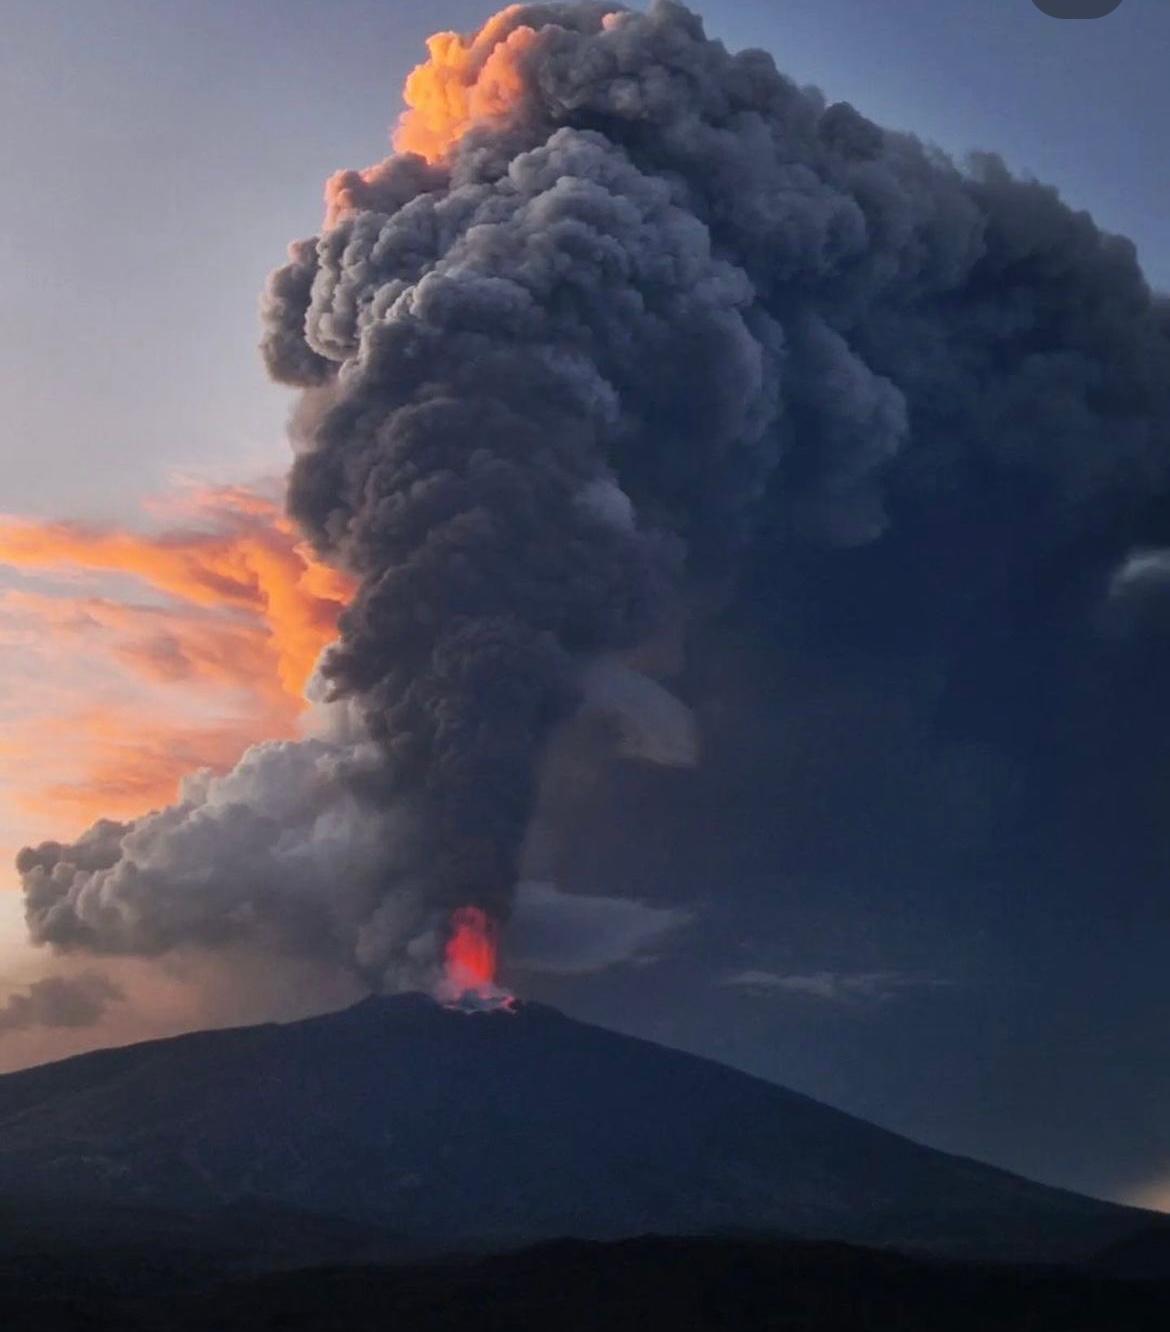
59	1001
644	343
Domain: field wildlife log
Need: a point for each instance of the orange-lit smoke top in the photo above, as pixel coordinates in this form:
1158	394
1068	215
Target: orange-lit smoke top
467	81
470	960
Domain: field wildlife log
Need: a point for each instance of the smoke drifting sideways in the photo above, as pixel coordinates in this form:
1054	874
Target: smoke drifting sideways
59	1001
633	350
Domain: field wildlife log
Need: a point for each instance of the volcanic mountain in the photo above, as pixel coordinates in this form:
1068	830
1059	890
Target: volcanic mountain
451	1129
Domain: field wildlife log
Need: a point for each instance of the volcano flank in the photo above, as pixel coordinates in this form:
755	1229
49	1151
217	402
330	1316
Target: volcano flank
454	1129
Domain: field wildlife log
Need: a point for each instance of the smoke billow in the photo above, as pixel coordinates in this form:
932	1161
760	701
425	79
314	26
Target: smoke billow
636	342
59	1001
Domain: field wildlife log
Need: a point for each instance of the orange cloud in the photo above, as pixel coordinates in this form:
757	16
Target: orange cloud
163	644
243	555
122	766
202	646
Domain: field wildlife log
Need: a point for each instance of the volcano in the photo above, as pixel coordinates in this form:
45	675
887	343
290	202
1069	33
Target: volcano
487	1129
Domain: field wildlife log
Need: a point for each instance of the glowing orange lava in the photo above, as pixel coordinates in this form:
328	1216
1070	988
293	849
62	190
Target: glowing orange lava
471	954
471	949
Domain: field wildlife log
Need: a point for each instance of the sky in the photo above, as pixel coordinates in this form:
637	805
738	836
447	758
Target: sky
159	157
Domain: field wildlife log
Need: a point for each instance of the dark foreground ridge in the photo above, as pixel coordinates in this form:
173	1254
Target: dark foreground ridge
397	1127
690	1285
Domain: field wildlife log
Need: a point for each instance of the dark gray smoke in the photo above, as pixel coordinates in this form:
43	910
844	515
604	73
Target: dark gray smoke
672	351
59	1001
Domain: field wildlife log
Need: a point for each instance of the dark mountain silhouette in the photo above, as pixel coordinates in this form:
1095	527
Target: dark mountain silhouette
1141	1256
432	1128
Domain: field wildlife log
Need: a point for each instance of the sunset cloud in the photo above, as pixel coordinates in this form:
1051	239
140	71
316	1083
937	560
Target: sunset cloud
135	656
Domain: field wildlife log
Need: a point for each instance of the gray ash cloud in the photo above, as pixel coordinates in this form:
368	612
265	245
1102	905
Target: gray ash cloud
59	1001
676	350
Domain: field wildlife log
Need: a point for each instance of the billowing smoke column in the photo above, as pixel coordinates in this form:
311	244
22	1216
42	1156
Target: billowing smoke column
631	338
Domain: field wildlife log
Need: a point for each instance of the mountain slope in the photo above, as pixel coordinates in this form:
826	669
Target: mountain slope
494	1128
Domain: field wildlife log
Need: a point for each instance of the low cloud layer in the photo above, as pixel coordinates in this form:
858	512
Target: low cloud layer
832	986
572	934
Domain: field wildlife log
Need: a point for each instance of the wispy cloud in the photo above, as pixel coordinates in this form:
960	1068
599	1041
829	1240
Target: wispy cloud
833	986
135	656
577	933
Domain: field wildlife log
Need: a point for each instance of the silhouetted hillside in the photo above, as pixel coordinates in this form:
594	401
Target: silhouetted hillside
446	1129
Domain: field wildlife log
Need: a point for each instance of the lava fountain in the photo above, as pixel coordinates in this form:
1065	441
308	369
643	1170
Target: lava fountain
470	959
